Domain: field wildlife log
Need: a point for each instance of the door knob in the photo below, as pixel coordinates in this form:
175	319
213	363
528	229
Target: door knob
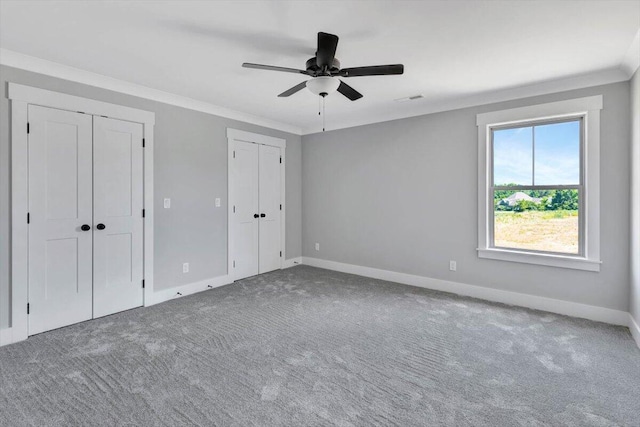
263	215
85	227
256	215
101	226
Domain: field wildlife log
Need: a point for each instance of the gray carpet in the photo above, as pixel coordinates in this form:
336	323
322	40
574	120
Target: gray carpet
306	346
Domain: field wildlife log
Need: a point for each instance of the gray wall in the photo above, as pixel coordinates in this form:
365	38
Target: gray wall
402	196
190	167
634	299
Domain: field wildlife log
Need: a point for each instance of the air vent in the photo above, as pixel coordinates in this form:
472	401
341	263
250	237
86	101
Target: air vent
410	98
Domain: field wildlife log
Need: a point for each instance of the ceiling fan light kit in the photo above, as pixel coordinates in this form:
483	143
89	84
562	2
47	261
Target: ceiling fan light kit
323	85
324	68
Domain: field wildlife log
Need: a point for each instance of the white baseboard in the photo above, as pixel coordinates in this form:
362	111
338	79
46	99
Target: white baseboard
188	289
635	329
292	262
6	336
600	314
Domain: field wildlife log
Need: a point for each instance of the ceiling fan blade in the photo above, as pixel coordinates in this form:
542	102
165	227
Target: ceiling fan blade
273	68
348	91
327	45
293	90
373	70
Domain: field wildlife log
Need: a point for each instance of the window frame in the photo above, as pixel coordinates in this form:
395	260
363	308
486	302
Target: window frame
588	111
580	186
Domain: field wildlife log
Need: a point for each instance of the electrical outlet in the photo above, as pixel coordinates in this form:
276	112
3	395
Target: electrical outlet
167	203
452	265
317	246
185	267
217	202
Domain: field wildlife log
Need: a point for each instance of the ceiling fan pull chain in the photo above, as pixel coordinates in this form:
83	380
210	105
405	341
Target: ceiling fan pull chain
324	115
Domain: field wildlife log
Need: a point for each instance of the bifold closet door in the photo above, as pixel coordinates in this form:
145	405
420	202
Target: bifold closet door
60	218
117	216
244	178
269	240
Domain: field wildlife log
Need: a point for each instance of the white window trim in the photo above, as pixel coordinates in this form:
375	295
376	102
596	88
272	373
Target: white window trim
589	107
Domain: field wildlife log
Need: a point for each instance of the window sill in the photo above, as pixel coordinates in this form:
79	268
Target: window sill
562	261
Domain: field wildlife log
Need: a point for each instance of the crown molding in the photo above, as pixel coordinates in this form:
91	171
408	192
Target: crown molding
611	75
631	60
54	69
42	66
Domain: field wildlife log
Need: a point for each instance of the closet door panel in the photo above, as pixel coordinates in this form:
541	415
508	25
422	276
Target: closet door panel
245	231
118	222
60	203
269	208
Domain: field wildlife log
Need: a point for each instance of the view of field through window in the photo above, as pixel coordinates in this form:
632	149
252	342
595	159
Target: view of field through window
539	220
536	191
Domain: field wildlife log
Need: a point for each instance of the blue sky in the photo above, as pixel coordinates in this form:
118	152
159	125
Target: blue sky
557	154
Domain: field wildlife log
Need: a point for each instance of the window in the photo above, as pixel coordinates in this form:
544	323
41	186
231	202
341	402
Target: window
539	184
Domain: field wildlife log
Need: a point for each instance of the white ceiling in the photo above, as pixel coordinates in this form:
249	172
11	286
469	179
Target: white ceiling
452	51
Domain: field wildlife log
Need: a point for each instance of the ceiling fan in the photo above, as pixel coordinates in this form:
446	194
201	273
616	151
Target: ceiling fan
324	68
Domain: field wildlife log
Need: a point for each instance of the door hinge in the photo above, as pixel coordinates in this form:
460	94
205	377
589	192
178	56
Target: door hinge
234	209
27	127
28	218
28	308
280	207
142	283
143	213
234	154
234	264
280	254
280	159
142	142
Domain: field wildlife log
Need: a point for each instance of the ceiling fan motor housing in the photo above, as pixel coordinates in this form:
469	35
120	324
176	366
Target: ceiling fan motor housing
314	70
325	71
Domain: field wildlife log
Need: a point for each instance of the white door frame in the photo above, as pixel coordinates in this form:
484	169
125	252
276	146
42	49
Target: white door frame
21	96
256	138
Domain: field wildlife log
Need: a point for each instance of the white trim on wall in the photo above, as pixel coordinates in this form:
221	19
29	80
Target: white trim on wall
19	209
600	314
292	262
163	295
54	69
634	328
21	97
61	101
30	63
598	78
589	109
255	138
631	60
6	336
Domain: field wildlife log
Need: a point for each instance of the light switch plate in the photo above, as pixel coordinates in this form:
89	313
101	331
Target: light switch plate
185	267
167	203
217	202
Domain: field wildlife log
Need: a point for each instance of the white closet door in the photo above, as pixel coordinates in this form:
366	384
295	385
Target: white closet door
117	213
269	208
60	203
244	176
